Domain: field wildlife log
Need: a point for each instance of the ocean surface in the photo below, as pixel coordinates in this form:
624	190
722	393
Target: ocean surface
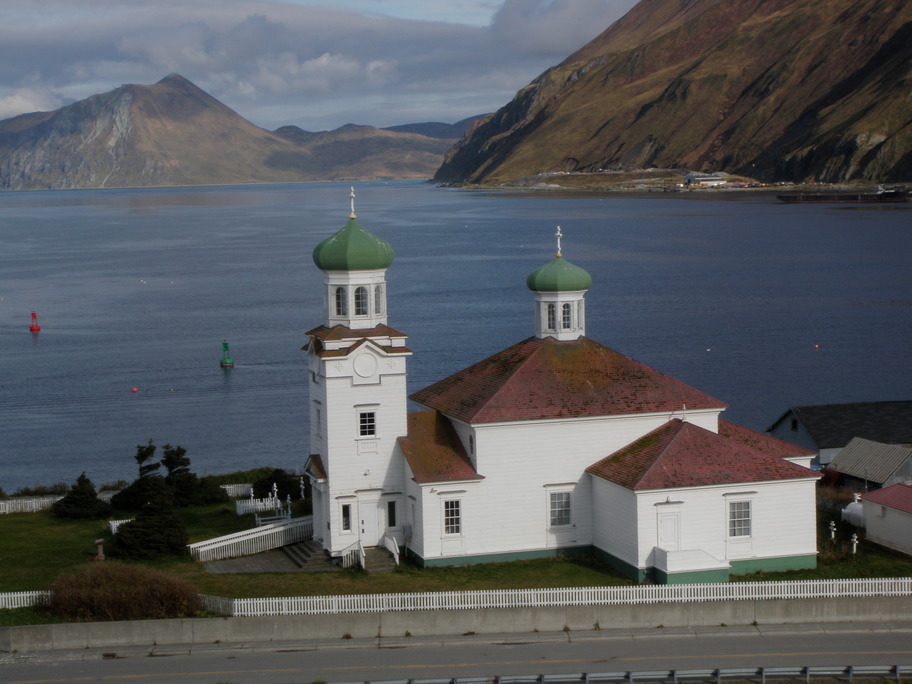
762	305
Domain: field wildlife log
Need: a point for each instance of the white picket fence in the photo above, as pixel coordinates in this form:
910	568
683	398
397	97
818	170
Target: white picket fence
33	504
236	491
23	599
269	504
576	596
533	598
254	540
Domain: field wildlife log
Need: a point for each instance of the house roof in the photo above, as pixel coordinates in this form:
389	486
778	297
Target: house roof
898	496
434	451
545	378
869	460
834	425
314	464
680	454
320	335
765	443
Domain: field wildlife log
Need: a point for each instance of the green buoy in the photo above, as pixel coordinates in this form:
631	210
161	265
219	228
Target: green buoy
227	361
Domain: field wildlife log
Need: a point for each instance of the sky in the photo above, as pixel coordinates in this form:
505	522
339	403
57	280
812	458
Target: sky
317	64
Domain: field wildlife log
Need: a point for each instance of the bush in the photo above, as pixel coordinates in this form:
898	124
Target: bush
81	502
118	591
42	490
156	532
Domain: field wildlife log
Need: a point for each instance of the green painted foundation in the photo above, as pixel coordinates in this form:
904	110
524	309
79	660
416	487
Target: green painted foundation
744	567
641	575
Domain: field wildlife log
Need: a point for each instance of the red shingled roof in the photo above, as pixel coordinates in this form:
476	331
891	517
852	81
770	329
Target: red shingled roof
434	451
680	454
758	440
898	496
545	378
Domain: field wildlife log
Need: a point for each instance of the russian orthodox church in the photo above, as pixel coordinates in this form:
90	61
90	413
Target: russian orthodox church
554	445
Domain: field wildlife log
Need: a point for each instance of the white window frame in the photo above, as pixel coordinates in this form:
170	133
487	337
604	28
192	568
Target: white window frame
452	517
739	519
563	513
340	300
362	302
345	517
367	423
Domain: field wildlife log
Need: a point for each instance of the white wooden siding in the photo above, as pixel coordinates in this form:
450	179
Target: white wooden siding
888	526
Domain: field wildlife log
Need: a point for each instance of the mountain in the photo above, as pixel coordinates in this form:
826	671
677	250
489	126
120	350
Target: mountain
435	129
773	89
174	133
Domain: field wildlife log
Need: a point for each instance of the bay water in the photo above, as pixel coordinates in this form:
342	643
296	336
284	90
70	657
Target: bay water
761	304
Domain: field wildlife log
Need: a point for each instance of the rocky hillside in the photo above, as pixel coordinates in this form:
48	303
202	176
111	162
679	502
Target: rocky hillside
772	89
174	133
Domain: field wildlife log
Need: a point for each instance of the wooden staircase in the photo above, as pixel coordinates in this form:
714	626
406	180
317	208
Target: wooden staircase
310	556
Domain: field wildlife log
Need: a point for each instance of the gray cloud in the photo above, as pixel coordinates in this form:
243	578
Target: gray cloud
278	63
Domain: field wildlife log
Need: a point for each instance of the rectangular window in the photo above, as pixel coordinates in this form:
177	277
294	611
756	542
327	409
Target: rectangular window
367	425
390	513
346	517
739	518
560	508
452	517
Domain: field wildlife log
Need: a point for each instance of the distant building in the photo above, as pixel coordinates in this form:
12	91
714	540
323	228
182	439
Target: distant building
828	428
704	180
554	445
865	464
888	517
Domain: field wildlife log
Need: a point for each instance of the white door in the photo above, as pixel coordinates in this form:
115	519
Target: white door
669	531
369	512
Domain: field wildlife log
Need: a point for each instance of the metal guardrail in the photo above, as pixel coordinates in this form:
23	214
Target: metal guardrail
806	673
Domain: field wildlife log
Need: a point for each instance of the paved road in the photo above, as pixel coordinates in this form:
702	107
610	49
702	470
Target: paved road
373	660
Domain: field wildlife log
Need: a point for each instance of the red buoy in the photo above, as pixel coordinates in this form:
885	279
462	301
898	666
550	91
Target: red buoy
34	327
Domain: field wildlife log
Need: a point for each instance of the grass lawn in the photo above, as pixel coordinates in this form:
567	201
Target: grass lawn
37	547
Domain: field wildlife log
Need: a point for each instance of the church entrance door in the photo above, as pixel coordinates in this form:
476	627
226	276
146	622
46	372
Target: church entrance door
369	512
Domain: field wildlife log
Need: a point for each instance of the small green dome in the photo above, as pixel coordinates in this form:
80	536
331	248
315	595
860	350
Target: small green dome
352	249
559	275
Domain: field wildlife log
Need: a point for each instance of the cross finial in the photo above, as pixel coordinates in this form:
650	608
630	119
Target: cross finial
559	235
352	196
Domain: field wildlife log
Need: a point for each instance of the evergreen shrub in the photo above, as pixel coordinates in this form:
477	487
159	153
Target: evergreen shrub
81	502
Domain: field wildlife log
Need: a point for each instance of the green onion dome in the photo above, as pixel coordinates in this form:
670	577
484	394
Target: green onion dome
559	275
353	249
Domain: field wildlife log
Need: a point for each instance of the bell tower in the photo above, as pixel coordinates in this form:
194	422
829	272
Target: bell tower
358	405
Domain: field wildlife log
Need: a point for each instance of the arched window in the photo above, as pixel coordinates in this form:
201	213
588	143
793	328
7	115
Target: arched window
552	316
566	317
341	302
378	299
360	301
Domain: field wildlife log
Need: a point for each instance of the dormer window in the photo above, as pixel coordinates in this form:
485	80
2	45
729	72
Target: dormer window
361	301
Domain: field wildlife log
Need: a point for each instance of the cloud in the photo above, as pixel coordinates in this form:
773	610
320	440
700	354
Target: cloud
554	28
24	100
276	62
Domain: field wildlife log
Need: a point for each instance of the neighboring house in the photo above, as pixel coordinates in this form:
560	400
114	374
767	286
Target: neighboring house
865	464
888	517
556	444
828	428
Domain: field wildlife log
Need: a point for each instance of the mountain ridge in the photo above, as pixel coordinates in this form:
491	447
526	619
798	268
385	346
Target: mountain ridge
175	133
773	89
